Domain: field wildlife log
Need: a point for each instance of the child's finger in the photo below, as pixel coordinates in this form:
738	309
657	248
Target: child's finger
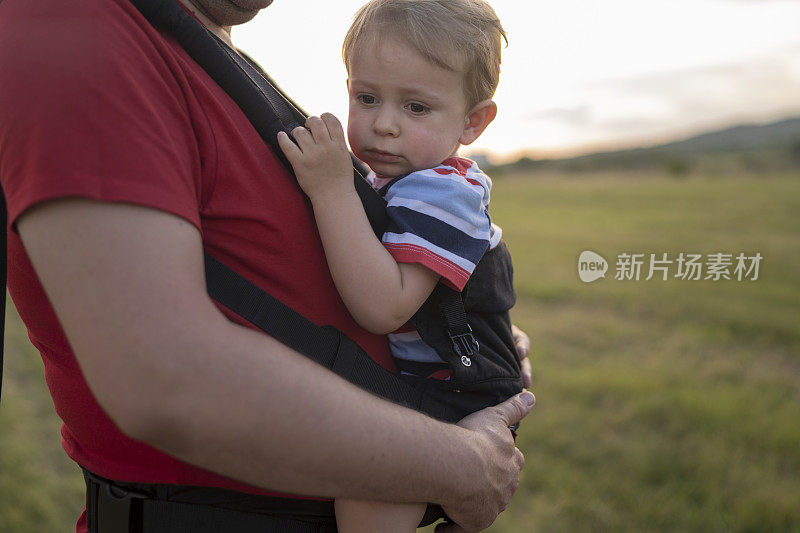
318	129
302	138
334	127
290	149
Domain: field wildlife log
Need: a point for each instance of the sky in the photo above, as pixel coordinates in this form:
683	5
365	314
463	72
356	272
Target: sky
578	75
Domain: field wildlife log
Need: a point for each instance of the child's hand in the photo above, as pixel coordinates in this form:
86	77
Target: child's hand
320	158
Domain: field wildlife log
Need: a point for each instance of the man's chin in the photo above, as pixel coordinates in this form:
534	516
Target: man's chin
252	4
231	12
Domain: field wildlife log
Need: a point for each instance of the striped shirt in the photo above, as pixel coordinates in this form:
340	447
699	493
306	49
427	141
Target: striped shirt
439	218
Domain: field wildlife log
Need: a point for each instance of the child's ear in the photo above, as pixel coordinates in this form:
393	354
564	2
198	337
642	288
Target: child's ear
480	116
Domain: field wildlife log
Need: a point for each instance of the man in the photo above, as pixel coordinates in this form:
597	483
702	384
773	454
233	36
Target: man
122	162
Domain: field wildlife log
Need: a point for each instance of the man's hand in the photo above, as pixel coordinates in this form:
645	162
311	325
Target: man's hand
319	157
523	344
499	463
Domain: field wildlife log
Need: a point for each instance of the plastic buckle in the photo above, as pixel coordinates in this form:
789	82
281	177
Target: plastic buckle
116	507
465	345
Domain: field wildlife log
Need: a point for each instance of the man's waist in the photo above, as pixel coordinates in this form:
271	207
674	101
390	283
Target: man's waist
117	501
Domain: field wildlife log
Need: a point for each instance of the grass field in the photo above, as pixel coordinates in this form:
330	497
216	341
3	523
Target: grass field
662	405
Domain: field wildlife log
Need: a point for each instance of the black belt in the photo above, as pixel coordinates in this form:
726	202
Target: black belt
114	507
117	507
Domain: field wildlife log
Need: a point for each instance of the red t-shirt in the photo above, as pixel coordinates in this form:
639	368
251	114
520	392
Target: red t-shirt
96	103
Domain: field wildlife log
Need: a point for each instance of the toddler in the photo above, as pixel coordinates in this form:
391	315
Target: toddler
421	75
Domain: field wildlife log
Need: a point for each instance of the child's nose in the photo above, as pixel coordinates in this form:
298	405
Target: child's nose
385	122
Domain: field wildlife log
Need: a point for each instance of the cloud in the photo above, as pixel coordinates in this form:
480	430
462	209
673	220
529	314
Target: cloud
577	115
750	88
673	103
748	72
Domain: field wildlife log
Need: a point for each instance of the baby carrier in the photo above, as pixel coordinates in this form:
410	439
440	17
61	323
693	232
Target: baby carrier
482	375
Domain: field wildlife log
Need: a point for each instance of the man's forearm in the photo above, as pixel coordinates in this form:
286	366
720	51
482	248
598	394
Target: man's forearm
128	286
256	411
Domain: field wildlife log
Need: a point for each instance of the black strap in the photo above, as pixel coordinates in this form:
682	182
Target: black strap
118	507
453	313
269	314
324	344
267	108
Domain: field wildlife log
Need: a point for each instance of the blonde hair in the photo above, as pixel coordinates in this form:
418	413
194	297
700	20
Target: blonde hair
458	35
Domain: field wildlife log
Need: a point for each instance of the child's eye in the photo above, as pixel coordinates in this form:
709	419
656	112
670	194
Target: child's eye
366	99
417	108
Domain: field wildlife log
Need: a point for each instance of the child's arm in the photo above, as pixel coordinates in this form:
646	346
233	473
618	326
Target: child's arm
379	292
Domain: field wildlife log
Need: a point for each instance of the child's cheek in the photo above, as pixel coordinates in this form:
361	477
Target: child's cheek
355	126
354	138
431	147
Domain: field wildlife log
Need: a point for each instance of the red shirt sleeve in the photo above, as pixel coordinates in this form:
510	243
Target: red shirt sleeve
92	111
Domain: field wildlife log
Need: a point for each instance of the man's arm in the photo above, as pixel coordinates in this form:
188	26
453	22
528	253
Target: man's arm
128	286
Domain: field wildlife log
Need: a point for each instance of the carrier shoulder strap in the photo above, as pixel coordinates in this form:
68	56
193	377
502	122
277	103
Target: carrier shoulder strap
264	104
324	344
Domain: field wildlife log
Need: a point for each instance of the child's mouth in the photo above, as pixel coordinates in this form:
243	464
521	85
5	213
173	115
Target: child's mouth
384	157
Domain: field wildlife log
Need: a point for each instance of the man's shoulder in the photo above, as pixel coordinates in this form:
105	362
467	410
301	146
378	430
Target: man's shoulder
80	18
82	37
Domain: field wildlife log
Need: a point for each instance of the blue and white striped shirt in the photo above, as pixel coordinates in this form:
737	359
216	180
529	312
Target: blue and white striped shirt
438	218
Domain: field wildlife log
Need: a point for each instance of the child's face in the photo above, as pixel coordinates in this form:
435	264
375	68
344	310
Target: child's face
406	113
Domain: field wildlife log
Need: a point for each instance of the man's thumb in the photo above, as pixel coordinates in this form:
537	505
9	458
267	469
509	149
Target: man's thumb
517	407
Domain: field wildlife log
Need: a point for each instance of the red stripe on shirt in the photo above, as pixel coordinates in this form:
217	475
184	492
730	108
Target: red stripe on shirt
459	164
446	171
452	274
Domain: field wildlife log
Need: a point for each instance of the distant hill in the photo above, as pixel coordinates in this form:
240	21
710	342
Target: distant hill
785	133
750	148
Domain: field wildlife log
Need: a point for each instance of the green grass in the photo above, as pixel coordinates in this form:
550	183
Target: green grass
662	405
41	490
